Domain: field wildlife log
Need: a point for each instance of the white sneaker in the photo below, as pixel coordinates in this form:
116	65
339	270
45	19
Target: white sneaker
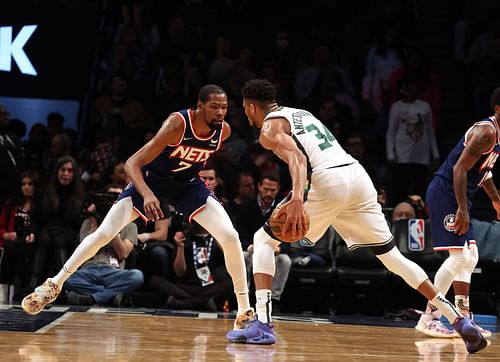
434	328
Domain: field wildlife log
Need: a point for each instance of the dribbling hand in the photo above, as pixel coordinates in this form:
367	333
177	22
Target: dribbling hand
295	218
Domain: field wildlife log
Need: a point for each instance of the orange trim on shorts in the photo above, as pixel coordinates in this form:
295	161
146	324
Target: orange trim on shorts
141	215
193	214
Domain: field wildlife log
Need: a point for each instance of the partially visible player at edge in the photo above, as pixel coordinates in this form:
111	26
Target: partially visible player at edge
340	193
449	199
167	167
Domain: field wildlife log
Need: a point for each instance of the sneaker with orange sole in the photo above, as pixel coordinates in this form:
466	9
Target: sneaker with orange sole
43	295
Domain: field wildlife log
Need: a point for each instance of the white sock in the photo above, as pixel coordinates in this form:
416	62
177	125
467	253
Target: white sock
62	276
243	303
263	305
449	311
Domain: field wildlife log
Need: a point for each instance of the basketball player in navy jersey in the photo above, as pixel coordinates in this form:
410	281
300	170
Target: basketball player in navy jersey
340	193
449	198
167	167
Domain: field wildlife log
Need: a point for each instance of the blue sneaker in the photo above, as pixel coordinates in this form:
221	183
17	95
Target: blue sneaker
471	335
255	332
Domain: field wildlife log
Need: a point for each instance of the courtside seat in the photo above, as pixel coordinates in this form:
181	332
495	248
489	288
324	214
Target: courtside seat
309	285
485	282
359	282
413	238
417	244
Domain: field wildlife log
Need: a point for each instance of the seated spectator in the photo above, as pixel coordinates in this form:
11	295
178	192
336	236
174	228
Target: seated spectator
403	210
245	192
103	279
58	219
16	238
59	146
115	174
214	183
202	280
355	146
153	257
253	215
413	208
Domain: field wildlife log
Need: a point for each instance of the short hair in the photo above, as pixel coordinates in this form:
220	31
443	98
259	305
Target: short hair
495	98
207	90
259	90
271	176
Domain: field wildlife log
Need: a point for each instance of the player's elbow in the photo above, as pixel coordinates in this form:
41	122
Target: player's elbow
459	169
130	165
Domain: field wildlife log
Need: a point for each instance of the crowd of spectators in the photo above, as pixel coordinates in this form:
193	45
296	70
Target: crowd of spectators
381	97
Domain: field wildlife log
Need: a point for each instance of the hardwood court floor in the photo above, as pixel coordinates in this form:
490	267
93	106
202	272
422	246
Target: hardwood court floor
115	336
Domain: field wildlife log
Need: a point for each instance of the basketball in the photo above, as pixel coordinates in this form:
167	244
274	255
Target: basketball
276	223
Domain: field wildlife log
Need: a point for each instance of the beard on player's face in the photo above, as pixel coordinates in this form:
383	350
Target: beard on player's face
214	124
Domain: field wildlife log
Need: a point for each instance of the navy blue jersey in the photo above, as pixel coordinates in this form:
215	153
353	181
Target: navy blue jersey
481	170
441	200
186	159
173	175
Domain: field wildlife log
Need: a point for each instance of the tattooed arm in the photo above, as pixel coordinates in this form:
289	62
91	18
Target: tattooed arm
480	139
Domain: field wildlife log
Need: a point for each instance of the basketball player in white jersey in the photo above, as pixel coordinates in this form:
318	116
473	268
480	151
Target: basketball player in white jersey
340	193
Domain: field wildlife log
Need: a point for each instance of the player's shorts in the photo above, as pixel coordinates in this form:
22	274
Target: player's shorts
442	206
345	198
187	196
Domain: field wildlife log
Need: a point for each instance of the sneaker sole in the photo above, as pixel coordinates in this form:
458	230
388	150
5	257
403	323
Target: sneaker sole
435	334
265	338
471	338
486	334
26	308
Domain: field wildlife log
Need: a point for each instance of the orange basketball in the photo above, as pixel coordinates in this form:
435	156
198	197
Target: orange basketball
276	223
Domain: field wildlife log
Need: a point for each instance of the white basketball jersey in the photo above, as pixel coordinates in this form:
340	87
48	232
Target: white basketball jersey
314	139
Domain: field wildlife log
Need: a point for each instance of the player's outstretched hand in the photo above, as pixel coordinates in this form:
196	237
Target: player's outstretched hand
152	207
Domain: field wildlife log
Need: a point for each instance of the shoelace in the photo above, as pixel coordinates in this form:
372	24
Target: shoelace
437	325
249	322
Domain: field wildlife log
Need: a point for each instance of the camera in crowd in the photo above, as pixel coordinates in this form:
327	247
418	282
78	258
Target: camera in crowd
180	223
102	202
22	224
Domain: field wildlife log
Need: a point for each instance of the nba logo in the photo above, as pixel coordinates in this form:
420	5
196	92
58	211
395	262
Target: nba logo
416	234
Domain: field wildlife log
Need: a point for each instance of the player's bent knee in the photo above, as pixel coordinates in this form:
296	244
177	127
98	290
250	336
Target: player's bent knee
263	256
457	260
136	278
228	236
471	263
394	261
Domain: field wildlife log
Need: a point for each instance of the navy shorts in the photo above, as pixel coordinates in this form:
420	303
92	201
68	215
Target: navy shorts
442	206
187	196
